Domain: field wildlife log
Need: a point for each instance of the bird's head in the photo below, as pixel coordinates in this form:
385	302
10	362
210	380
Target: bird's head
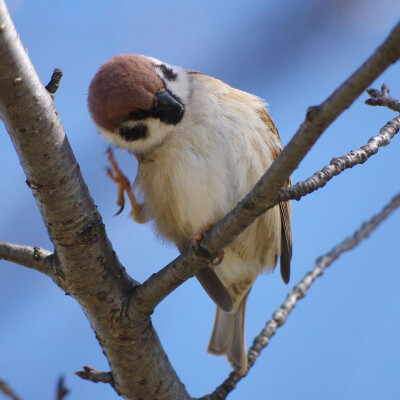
135	101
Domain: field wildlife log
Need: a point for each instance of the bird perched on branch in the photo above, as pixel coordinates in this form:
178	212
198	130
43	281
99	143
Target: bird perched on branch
201	147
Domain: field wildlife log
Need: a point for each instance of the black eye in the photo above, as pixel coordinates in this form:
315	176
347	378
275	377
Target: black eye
136	132
139	115
168	73
168	108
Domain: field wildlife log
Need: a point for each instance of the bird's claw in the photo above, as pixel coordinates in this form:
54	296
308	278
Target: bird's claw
119	178
195	239
198	236
120	210
218	260
124	186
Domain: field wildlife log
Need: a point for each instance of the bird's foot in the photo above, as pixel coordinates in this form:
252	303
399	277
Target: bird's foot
124	186
218	259
198	236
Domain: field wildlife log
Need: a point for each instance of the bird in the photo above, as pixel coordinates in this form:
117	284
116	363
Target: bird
201	146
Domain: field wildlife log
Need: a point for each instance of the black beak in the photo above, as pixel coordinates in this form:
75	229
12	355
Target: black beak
169	108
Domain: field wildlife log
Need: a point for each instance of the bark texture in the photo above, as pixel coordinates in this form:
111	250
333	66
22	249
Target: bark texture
85	266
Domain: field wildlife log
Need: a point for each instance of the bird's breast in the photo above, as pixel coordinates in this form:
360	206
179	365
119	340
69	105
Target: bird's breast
203	169
183	192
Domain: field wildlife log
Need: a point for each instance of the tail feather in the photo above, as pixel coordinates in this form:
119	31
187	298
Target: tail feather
237	355
228	337
222	334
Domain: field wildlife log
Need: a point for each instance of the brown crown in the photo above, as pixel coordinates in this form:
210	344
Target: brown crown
124	84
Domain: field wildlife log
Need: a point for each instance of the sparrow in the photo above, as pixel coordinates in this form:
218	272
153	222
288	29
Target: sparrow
201	146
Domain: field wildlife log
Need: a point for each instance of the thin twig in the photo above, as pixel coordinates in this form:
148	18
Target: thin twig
382	98
62	391
54	83
5	389
299	291
337	165
32	257
95	375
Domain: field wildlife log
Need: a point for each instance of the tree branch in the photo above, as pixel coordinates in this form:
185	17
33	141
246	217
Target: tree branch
140	368
54	83
62	391
43	260
32	257
338	165
6	390
88	268
159	285
382	98
94	375
317	120
299	291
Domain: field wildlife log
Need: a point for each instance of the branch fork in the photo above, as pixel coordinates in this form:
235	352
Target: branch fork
84	252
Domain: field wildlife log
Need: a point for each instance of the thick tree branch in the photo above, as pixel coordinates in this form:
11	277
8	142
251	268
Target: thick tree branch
140	368
299	291
43	260
159	285
88	268
32	257
264	194
317	120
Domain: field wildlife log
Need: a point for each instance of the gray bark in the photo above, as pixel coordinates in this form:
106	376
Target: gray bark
84	264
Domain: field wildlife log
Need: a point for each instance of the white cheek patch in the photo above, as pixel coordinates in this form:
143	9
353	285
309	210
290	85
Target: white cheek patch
179	84
156	133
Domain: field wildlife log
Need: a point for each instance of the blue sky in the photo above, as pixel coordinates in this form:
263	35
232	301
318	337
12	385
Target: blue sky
341	340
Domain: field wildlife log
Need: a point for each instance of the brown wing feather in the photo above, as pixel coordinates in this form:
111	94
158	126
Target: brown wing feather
263	113
286	231
286	240
215	289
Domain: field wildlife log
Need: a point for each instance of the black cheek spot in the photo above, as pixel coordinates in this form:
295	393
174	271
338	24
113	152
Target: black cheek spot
136	132
169	74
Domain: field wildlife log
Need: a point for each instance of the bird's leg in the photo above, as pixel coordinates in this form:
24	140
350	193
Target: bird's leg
198	236
123	186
